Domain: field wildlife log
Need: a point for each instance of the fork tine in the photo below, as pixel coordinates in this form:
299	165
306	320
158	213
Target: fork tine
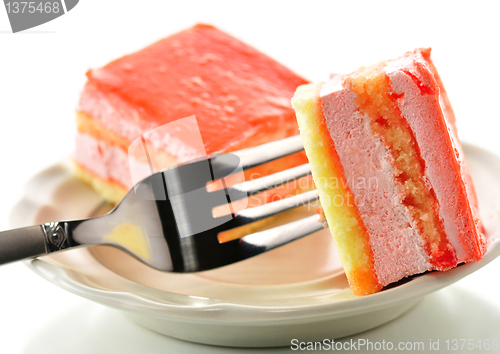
260	242
258	155
258	185
213	254
248	216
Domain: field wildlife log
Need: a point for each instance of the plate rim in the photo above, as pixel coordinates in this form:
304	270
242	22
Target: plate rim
252	312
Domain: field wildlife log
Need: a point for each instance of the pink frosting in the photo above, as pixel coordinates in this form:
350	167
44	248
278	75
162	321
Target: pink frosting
398	249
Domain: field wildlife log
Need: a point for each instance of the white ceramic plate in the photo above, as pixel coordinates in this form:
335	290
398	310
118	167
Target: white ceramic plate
297	291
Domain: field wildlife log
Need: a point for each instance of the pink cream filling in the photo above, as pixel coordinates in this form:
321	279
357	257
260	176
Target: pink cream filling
398	249
180	138
106	161
110	162
441	174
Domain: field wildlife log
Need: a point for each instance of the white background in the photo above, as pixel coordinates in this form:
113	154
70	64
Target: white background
42	71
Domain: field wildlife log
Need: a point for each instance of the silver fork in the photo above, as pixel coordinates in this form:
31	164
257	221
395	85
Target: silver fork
166	220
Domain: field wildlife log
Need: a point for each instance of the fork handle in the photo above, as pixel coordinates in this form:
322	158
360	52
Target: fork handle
33	241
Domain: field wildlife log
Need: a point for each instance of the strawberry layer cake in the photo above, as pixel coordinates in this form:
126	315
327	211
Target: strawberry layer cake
239	97
390	171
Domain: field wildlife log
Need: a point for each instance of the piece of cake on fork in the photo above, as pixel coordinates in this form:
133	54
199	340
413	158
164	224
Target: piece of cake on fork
239	96
390	170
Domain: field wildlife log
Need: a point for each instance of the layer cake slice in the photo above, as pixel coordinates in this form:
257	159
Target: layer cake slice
239	96
390	170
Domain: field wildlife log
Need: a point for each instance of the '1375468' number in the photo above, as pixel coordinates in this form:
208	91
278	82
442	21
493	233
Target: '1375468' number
31	7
